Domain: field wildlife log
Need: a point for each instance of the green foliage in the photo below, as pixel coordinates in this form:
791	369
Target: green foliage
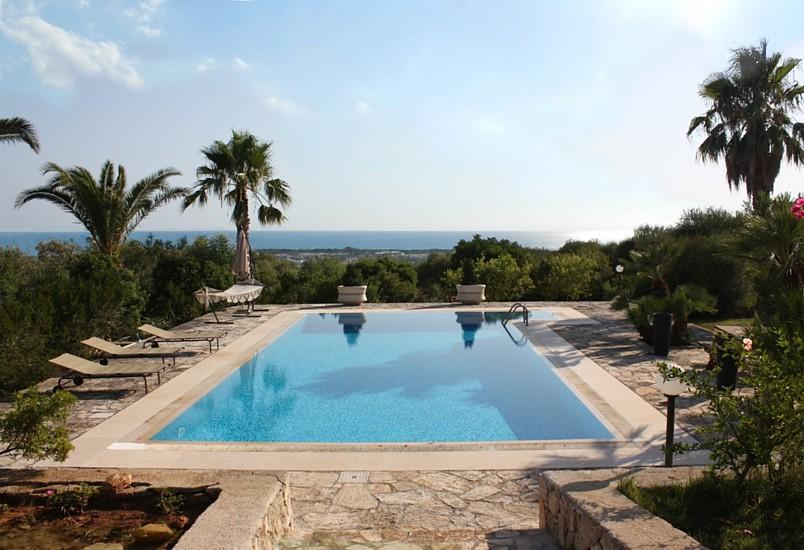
748	123
168	274
430	274
169	502
388	280
773	239
51	302
71	501
237	172
682	302
18	130
486	249
572	276
505	280
107	208
35	428
719	513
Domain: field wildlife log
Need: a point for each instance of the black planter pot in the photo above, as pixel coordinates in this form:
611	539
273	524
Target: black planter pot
662	326
727	375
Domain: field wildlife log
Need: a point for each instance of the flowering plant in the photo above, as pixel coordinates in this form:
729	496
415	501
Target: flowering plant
798	208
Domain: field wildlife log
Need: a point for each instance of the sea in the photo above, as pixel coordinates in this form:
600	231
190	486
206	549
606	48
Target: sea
327	240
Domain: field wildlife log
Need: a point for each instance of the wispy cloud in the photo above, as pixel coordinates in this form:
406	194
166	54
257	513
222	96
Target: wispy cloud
145	13
60	56
283	105
363	108
239	64
206	64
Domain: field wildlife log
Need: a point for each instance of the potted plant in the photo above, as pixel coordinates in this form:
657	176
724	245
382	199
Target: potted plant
353	290
471	294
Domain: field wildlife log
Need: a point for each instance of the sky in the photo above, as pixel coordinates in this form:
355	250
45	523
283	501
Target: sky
556	115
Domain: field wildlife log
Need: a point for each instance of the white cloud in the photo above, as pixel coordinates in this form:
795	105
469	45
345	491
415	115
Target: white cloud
363	108
59	56
206	64
240	64
150	32
283	105
83	3
144	13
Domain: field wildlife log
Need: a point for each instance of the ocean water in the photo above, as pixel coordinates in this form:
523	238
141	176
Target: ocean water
308	240
391	377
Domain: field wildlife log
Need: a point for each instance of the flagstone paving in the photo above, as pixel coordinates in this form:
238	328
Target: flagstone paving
411	510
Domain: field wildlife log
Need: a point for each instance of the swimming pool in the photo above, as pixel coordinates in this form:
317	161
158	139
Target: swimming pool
380	377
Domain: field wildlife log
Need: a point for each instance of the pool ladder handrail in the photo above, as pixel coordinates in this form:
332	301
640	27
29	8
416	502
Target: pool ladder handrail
512	310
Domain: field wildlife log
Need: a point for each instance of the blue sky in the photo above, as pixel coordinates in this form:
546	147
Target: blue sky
563	116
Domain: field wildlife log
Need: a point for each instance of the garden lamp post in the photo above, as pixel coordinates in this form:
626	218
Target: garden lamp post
670	388
619	269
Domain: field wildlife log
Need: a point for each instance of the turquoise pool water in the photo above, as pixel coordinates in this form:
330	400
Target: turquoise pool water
391	377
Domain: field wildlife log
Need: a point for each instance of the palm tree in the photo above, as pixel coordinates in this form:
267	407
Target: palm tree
236	172
107	208
748	123
18	129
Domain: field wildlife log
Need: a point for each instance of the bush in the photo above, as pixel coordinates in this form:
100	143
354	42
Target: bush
505	280
570	276
388	280
35	428
682	302
72	501
718	513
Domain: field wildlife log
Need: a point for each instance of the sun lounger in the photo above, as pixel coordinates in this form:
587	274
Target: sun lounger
162	335
83	369
110	349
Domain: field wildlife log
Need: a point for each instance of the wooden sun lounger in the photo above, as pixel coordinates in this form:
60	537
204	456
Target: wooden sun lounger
111	349
162	335
84	369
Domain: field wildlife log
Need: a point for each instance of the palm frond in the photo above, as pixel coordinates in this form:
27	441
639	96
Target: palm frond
16	129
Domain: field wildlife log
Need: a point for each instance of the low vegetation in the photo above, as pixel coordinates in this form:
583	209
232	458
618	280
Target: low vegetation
721	515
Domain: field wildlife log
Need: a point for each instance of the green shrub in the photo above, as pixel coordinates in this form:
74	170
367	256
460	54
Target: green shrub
569	276
169	502
682	302
505	280
35	427
388	280
71	501
719	513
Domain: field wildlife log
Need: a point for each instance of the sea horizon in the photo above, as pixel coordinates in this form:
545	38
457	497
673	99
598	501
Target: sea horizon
400	240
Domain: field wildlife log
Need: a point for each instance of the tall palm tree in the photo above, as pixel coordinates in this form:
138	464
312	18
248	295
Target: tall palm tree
748	123
107	208
18	129
236	172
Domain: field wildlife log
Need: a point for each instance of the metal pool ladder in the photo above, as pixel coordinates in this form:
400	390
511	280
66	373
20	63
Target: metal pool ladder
513	309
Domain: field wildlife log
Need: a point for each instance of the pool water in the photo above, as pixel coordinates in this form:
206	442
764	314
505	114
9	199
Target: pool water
391	377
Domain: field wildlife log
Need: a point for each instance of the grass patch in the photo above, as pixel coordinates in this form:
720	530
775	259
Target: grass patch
712	510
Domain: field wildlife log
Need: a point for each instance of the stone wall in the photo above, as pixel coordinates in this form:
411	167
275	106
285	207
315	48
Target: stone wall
584	510
251	513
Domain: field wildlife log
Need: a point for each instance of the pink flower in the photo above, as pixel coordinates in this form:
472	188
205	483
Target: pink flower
747	344
50	492
798	208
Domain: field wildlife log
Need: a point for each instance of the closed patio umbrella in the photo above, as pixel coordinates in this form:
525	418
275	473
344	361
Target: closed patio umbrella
241	266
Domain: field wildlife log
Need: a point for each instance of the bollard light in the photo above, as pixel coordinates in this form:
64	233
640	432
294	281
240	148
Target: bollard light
671	388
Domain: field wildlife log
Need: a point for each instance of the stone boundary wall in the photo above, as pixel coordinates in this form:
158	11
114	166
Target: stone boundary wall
244	517
582	509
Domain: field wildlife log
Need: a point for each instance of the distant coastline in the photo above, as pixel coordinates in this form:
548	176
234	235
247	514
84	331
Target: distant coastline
324	241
